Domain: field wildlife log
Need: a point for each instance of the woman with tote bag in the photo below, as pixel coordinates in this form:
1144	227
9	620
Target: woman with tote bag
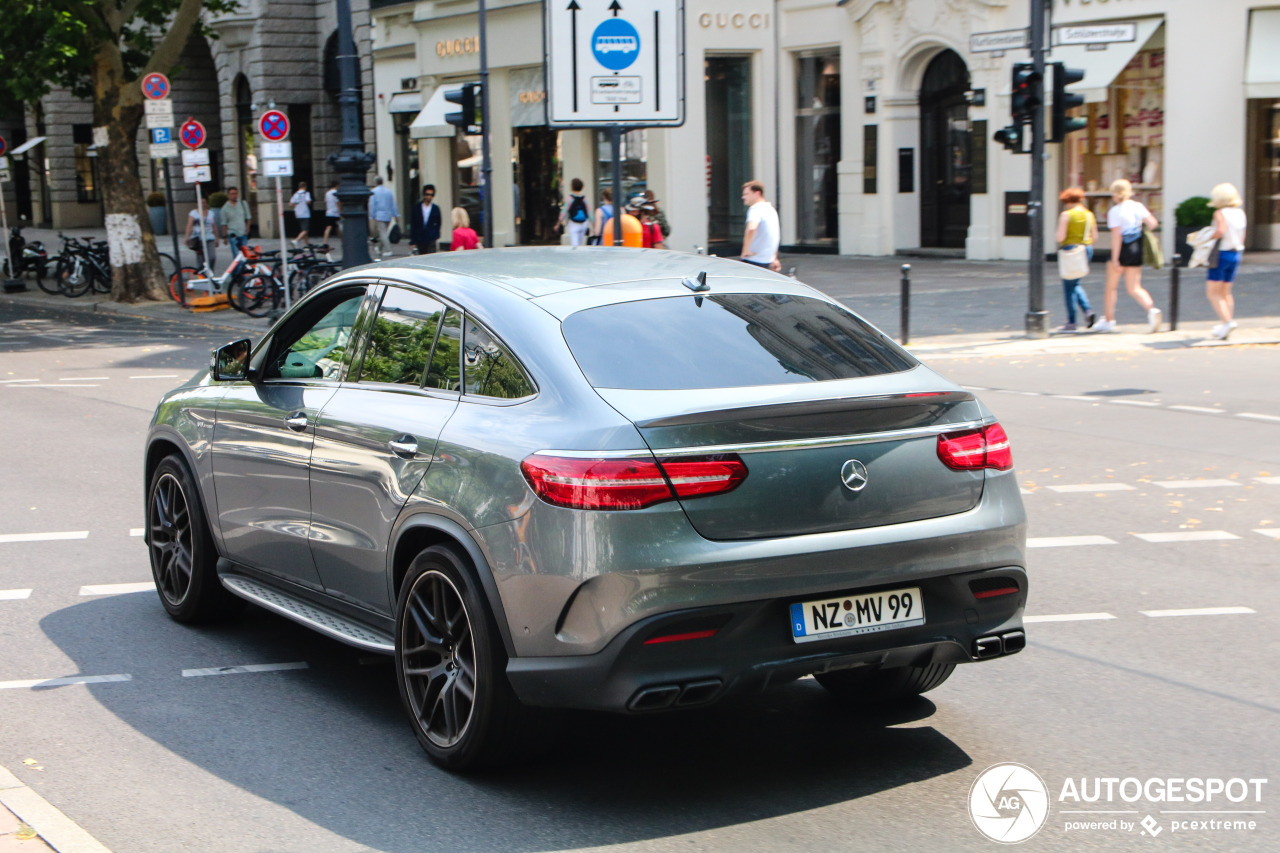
1077	229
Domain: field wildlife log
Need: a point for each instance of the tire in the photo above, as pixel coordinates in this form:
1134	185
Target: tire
168	266
864	686
100	278
183	556
447	646
73	278
178	284
257	296
47	278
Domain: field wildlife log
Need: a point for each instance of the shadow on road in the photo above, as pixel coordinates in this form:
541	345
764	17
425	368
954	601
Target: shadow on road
331	744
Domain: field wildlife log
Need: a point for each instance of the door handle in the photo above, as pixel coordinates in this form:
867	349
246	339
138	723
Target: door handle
297	421
405	445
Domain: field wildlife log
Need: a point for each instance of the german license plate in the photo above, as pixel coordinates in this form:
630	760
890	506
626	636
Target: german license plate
856	614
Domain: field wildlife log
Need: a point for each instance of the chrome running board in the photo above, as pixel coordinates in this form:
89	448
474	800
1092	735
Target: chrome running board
308	614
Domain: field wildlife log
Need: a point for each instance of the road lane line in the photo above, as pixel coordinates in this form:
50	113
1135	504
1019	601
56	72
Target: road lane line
12	381
83	378
1076	397
1143	403
14	594
1068	617
39	385
63	682
117	588
135	531
1198	611
1258	417
1268	481
1204	410
1273	532
1068	541
236	670
157	376
1095	487
1194	484
1187	536
44	537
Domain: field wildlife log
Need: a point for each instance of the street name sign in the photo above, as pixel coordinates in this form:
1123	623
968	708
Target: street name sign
195	157
197	174
999	40
614	63
1095	33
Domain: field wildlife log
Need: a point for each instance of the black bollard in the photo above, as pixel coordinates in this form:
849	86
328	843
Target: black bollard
904	306
1173	293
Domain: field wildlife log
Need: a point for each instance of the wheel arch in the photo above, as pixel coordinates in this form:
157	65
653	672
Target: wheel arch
419	531
164	443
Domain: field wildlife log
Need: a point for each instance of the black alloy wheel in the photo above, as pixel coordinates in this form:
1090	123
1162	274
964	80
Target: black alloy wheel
439	659
170	539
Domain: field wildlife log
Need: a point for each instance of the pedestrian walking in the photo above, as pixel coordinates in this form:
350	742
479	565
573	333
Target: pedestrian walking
604	213
575	216
763	234
424	222
332	212
206	250
384	213
1077	231
1126	219
235	221
650	232
464	236
658	216
1229	224
301	202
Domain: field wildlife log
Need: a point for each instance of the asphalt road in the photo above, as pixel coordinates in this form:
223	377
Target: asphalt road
320	759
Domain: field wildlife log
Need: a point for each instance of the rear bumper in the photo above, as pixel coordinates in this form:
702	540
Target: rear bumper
753	648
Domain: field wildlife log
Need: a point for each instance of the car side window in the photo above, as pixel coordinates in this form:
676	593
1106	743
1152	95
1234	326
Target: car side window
401	339
490	370
316	350
446	358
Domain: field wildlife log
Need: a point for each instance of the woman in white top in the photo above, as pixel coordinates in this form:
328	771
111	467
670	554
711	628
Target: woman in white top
301	202
1126	219
1228	229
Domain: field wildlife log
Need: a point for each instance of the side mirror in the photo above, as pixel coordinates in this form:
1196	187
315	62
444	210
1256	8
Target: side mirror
230	362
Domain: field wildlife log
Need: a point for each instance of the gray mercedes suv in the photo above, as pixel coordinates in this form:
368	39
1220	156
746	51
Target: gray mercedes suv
611	479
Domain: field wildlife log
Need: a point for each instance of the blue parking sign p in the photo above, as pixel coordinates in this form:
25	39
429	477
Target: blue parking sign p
161	135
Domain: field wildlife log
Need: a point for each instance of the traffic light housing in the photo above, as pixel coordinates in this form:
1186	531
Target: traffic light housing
1026	92
467	118
1010	137
1063	101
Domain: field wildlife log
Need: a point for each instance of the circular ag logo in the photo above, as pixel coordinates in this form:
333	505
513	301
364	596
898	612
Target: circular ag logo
1008	803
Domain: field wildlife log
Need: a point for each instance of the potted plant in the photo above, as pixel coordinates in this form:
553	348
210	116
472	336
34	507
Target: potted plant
215	202
155	209
1190	216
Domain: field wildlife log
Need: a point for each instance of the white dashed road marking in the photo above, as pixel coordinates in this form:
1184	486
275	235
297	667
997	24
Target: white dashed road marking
1273	532
1067	541
1194	484
1198	611
117	588
1257	417
1143	403
1204	410
83	378
43	537
1187	536
1094	487
157	376
1269	481
14	594
135	531
12	381
63	682
42	385
1068	617
236	670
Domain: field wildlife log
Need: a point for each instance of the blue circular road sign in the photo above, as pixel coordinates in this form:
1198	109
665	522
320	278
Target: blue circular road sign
615	43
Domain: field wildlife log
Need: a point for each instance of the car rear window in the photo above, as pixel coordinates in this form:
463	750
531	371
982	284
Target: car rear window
730	340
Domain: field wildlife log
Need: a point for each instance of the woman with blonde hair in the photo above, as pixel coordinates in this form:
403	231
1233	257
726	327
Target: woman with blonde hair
1076	227
1126	219
464	236
1228	229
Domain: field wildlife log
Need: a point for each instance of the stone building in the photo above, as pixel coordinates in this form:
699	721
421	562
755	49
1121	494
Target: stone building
270	53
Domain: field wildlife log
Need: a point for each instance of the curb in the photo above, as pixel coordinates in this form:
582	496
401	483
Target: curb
57	830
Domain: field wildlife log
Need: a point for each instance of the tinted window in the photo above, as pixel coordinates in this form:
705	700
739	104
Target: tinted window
401	339
446	358
316	349
729	341
491	370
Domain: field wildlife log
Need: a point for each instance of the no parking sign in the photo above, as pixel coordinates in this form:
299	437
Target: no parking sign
274	125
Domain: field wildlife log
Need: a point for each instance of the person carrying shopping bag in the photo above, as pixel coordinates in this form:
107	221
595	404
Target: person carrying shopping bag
1077	232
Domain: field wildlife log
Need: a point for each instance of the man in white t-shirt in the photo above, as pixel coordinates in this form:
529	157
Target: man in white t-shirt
301	202
760	242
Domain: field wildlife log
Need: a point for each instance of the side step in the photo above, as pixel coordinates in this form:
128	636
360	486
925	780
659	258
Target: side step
308	614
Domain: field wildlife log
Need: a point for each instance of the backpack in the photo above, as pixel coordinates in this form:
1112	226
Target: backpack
578	209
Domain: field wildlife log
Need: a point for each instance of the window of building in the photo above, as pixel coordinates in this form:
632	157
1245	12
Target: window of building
729	155
817	147
86	163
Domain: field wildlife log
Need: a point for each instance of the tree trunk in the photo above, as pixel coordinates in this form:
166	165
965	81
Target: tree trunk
135	264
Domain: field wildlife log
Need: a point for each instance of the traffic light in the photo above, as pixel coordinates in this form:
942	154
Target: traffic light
467	97
1010	137
1064	101
1026	92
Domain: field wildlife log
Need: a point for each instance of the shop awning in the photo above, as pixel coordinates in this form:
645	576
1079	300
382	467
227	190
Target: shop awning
430	123
1101	67
405	102
1262	69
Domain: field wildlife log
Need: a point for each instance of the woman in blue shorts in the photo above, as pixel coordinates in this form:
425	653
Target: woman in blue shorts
1228	227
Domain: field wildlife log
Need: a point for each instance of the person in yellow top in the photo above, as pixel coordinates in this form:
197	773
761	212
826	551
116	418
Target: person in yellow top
1076	227
632	230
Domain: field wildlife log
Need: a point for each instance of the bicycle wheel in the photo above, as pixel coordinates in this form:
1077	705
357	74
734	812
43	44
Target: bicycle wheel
257	296
168	265
73	277
100	278
178	284
46	276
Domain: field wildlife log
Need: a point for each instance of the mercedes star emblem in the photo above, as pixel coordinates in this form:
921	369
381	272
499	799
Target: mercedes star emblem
854	475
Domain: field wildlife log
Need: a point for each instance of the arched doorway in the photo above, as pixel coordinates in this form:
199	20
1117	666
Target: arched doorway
945	152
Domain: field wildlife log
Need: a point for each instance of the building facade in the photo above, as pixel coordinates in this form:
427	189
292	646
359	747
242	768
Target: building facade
870	122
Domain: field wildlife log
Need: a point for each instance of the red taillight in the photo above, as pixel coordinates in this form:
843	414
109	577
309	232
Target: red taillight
977	448
632	483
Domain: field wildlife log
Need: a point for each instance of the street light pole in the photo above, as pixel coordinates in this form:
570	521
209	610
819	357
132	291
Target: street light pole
1037	317
351	162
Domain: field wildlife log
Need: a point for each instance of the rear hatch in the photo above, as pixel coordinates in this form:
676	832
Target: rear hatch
837	426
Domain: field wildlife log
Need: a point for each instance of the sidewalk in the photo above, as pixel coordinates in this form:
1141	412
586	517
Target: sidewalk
31	824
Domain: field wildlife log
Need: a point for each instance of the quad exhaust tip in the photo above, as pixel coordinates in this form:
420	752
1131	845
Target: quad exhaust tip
999	644
682	695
